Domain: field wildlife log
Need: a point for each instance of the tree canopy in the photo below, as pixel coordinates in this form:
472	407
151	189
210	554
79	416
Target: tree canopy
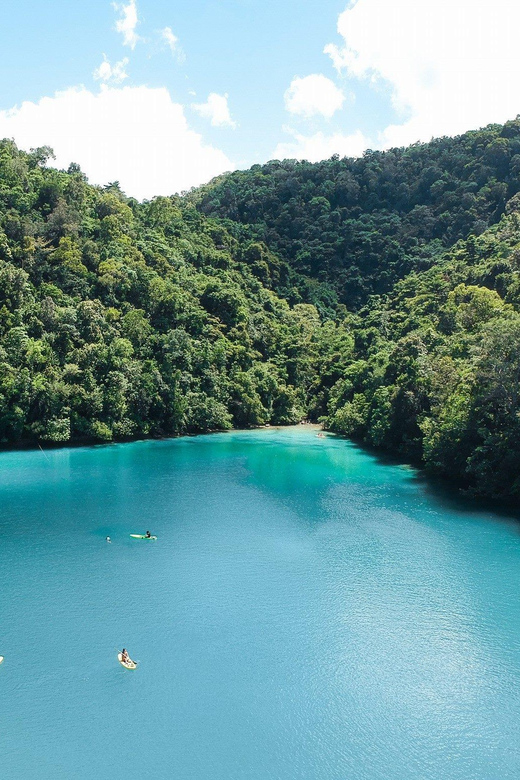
122	319
357	226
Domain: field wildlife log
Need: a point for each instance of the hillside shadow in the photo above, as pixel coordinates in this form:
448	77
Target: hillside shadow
445	492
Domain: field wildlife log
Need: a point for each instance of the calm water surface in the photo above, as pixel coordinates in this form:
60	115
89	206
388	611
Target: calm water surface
307	613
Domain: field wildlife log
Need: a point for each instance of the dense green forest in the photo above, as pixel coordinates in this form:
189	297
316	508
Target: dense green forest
435	371
120	319
356	226
422	245
379	295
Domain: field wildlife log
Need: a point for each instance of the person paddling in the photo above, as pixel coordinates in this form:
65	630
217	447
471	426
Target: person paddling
125	660
148	535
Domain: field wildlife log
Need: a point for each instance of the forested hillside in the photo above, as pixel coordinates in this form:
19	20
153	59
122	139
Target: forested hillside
435	370
415	242
359	225
379	295
120	319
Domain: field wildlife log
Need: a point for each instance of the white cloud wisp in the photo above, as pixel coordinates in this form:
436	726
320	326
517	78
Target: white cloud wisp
313	95
136	135
172	42
128	22
115	73
215	109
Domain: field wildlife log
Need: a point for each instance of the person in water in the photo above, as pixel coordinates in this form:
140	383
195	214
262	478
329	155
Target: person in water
108	539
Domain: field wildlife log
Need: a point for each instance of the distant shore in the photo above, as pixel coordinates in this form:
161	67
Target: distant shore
90	441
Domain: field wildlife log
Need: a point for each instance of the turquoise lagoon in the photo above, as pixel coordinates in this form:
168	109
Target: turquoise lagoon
308	612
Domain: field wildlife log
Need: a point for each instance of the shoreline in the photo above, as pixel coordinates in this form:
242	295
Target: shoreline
451	489
28	445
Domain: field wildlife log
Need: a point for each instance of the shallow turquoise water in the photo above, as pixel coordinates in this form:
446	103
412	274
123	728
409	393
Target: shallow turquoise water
307	613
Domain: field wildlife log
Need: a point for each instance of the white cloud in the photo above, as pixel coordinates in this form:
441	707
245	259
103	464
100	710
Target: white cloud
172	42
320	146
128	22
312	95
115	73
136	135
338	56
450	65
215	109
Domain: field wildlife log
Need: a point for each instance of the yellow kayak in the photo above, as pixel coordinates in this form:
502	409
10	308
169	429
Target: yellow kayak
127	664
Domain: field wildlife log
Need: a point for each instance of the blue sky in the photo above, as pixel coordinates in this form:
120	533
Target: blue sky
189	89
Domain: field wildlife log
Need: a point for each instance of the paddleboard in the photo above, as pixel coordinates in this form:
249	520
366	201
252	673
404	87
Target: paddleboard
127	664
142	536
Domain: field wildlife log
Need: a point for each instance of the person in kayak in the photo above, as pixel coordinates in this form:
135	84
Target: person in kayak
148	535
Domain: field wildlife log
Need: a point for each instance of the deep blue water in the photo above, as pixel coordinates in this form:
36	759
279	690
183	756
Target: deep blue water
307	613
